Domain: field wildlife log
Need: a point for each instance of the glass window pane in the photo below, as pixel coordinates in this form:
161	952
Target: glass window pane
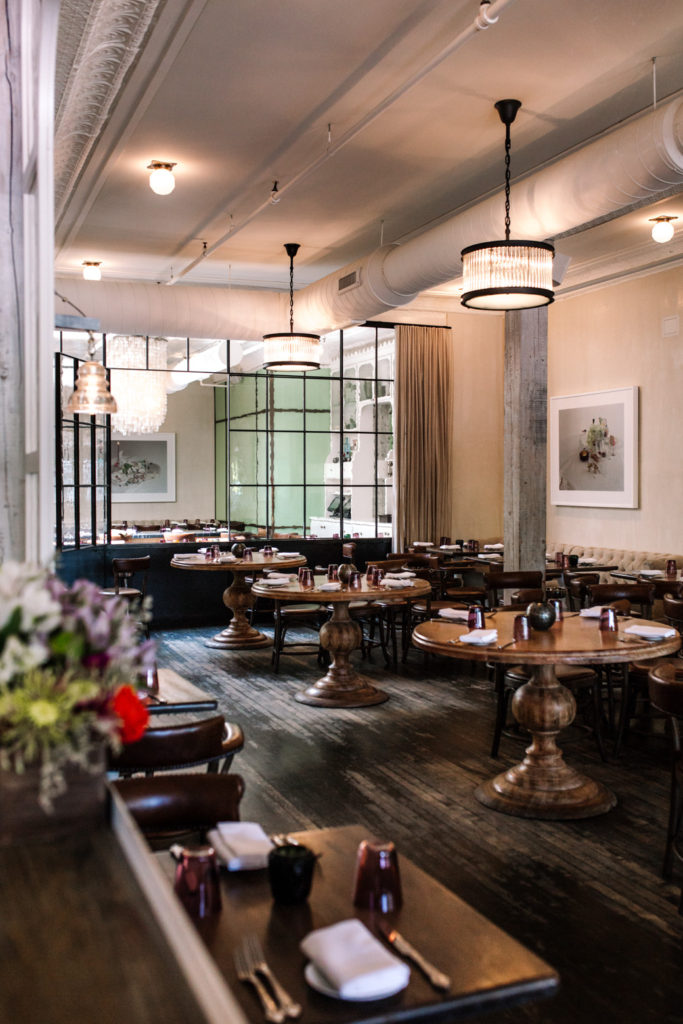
350	404
221	472
219	403
385	509
84	454
101	461
85	532
287	458
385	417
248	509
68	518
361	519
242	402
101	514
318	403
68	454
318	457
366	368
247	457
289	510
317	520
287	402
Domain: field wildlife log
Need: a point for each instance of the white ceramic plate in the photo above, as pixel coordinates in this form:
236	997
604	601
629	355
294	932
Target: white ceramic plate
317	981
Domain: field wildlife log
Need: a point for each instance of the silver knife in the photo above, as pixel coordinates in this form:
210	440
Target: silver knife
437	978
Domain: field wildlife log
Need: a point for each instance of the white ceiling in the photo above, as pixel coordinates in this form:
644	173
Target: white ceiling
240	93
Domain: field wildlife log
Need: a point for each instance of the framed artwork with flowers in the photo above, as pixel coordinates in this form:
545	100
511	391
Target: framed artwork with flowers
143	467
594	449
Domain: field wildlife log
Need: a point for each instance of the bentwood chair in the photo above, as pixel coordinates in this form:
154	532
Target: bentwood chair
209	742
125	571
166	807
297	616
665	687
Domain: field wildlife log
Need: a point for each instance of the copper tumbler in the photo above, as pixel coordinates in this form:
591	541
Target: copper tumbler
608	620
332	572
196	882
671	567
556	603
475	617
378	882
306	579
520	627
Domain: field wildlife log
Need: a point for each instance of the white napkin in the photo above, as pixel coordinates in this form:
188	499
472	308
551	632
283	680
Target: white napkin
591	613
353	961
389	582
650	572
494	547
189	558
284	577
491	557
226	558
449	547
275	581
274	550
330	585
241	845
422	544
457	614
588	561
650	632
405	574
480	636
287	554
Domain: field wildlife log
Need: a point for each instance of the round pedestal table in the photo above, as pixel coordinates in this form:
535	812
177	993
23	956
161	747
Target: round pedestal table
543	785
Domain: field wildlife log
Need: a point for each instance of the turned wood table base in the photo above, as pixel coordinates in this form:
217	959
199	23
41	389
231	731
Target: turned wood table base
342	686
543	786
238	634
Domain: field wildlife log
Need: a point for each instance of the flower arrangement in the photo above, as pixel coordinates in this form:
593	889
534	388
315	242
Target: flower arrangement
67	658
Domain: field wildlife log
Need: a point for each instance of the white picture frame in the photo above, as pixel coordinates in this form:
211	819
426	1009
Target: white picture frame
594	449
143	468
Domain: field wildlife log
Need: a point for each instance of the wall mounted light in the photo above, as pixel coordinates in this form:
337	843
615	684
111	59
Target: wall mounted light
509	274
162	179
91	270
662	228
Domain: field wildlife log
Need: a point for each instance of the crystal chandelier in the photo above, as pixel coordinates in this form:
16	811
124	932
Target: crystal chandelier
293	351
509	274
140	389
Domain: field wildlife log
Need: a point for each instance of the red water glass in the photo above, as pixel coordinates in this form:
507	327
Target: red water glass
332	572
608	620
378	882
267	551
520	628
306	579
248	555
475	617
565	561
556	603
354	580
196	882
208	554
444	540
302	569
671	567
377	575
559	558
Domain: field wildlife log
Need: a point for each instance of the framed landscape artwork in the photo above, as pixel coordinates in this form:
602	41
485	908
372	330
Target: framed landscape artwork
143	467
594	449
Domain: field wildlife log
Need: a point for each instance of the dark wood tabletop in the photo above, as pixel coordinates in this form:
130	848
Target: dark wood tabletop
488	968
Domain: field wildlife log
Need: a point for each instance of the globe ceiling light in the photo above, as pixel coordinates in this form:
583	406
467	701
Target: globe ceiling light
509	274
91	270
162	179
91	394
662	228
139	388
293	351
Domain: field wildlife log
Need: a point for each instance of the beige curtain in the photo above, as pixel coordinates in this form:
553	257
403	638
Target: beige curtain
423	433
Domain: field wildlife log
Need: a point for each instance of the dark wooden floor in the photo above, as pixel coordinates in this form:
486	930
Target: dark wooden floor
587	896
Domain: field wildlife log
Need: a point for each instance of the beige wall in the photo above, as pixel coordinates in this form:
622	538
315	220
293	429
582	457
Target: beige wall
190	418
612	337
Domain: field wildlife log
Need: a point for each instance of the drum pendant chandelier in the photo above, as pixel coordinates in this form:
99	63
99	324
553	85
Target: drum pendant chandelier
291	351
510	274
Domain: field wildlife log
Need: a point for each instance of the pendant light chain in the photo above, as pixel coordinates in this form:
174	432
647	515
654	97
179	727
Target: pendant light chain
291	294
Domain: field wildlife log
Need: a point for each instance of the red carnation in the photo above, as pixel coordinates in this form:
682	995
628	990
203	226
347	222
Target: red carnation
132	714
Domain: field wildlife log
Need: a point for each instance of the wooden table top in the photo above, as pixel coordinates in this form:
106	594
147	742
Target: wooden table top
576	640
259	562
488	968
295	592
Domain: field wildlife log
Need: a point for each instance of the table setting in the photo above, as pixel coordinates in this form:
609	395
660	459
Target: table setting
367	937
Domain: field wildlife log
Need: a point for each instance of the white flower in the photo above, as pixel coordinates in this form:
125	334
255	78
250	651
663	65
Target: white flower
17	657
23	587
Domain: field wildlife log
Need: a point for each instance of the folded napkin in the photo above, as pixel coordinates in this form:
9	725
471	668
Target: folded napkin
404	574
491	557
354	962
226	558
330	585
275	581
274	550
651	572
650	632
388	581
450	547
422	544
591	613
493	547
457	614
588	561
240	845
287	554
284	577
480	636
189	558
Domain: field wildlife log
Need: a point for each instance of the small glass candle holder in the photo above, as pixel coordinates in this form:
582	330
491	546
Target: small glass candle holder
608	620
556	603
290	873
332	572
267	551
208	554
248	555
475	617
520	627
378	882
197	884
671	567
369	572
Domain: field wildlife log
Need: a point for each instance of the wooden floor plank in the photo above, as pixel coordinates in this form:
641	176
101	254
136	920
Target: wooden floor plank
587	896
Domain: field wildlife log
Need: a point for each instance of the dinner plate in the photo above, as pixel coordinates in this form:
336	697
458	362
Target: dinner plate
320	983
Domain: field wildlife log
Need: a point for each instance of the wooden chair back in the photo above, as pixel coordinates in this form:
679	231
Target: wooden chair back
168	805
497	582
125	569
577	586
640	595
208	741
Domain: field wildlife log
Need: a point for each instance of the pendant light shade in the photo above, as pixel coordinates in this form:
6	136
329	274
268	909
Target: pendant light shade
293	351
509	274
91	395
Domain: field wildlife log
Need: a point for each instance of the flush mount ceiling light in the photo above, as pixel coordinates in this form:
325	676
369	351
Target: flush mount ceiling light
161	180
662	228
91	394
509	274
91	270
291	351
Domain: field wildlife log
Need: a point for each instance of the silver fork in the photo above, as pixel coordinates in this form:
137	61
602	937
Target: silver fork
271	1010
256	961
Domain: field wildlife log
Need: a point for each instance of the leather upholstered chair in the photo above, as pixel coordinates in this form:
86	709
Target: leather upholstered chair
497	582
166	807
128	571
640	595
211	742
577	587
